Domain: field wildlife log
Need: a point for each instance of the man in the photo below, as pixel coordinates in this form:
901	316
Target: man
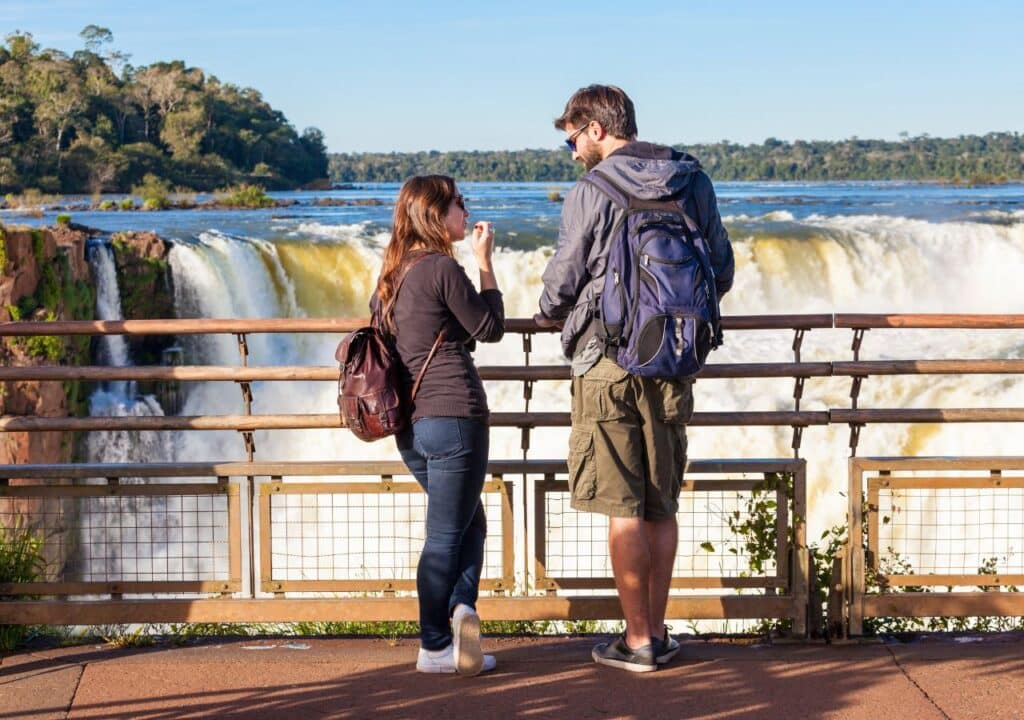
627	449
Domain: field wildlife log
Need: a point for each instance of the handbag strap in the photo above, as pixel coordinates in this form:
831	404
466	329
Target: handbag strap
423	370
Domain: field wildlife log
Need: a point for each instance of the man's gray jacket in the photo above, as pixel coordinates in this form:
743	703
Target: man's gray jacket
575	273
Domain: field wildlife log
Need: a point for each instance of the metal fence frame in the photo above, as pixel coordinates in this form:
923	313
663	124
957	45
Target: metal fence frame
844	598
786	595
867	475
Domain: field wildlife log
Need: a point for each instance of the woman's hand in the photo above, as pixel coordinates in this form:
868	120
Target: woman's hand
483	244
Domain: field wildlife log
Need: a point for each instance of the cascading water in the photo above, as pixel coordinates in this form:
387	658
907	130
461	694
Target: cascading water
119	398
819	264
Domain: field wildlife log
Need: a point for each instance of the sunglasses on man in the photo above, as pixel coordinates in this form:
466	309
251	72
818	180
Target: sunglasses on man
570	142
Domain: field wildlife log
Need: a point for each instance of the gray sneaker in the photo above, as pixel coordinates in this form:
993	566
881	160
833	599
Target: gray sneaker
668	648
618	654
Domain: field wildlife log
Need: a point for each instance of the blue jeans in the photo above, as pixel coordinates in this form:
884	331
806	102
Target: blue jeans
448	457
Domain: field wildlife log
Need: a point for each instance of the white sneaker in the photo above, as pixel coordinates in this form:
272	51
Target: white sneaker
443	661
469	658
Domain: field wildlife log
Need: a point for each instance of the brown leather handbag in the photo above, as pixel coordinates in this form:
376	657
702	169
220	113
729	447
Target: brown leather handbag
369	387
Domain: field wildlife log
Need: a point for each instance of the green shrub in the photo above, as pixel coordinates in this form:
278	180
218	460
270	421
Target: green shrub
245	196
30	199
63	219
127	204
109	205
38	246
21	560
3	249
154	192
50	347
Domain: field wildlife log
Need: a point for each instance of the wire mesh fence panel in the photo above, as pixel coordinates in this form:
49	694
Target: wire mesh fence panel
337	534
91	535
712	543
950	531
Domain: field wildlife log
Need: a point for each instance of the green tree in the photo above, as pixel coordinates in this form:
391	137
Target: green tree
183	131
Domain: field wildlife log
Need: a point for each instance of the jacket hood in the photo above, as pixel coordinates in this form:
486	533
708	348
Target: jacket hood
648	171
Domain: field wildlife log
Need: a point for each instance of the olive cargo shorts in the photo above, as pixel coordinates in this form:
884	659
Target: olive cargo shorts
627	449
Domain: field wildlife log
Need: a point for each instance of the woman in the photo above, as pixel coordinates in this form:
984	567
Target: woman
446	444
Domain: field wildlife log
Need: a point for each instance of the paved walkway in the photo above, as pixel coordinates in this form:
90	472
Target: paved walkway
536	678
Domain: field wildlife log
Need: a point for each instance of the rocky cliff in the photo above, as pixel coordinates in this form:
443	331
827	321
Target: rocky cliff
44	276
146	289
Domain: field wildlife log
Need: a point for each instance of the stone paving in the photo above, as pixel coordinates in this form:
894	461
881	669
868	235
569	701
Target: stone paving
548	677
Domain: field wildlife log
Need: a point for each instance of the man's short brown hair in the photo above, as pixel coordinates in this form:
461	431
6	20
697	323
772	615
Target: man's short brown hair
610	106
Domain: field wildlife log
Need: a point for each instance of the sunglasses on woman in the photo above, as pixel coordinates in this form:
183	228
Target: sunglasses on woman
460	201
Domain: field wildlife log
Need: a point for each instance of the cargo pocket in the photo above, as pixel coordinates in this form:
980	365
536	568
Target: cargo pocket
603	393
676	401
582	471
676	411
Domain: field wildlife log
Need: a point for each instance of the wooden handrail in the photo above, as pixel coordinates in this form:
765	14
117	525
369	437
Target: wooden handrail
713	371
209	326
929	320
767	418
928	367
252	373
31	423
343	467
927	415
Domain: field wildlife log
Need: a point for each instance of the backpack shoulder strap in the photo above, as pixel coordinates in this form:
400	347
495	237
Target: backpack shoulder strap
624	200
426	363
599	179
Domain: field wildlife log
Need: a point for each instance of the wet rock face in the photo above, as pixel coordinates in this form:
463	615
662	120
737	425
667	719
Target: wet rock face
44	277
146	289
20	277
70	240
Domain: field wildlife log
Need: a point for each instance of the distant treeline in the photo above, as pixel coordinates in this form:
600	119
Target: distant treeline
90	122
991	158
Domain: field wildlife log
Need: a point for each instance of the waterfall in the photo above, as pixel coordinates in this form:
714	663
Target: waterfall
862	263
119	398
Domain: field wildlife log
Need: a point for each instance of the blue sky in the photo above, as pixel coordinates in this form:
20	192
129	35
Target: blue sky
402	76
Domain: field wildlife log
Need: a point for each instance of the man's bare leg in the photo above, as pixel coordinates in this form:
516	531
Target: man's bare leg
662	540
631	564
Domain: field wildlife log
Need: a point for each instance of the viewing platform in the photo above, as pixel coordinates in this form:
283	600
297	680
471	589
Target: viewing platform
547	677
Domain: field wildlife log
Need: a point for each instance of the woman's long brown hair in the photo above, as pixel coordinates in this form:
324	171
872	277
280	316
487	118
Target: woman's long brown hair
418	225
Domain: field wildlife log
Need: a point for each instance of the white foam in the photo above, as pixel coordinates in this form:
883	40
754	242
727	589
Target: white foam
851	263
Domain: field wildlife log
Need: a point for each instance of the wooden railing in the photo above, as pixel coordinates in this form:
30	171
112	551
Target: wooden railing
888	497
254	586
225	593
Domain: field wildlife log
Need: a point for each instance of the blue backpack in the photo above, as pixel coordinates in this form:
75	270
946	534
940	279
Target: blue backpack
657	313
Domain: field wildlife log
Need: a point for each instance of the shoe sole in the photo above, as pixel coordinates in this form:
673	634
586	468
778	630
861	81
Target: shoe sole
621	664
436	670
469	658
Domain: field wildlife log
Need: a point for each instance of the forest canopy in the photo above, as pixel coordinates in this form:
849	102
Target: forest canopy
995	157
92	122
